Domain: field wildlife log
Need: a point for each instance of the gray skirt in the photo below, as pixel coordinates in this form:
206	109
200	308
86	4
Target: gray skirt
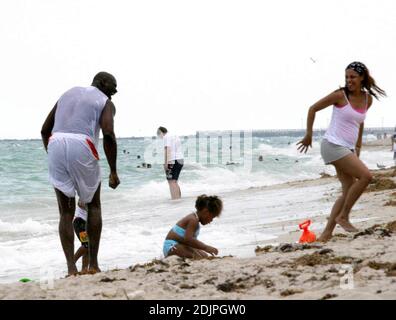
331	152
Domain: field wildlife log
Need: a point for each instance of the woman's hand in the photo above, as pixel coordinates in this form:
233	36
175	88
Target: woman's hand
305	143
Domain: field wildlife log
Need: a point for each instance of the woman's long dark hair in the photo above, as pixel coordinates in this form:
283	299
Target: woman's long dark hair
368	82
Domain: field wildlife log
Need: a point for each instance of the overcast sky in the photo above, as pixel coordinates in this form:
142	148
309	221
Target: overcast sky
193	65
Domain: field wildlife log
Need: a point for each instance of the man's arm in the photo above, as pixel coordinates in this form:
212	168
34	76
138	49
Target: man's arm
109	141
47	127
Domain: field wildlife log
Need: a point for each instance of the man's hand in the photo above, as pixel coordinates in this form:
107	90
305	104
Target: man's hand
113	180
166	167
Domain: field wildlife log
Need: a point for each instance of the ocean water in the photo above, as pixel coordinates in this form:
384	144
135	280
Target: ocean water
138	214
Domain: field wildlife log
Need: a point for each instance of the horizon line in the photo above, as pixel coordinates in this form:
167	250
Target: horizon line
382	129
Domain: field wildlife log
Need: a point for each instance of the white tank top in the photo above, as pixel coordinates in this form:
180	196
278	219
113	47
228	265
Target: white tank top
344	125
78	111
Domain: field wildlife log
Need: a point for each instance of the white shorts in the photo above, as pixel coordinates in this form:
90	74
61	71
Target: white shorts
73	165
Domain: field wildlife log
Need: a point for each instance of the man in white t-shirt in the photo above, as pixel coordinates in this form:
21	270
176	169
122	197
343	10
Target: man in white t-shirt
173	162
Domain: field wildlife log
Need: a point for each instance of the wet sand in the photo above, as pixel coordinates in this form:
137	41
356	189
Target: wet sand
350	266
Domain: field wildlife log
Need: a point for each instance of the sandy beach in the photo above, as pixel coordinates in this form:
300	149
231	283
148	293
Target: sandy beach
350	266
212	130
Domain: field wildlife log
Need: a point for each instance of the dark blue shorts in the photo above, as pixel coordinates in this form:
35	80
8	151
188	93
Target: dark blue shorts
174	170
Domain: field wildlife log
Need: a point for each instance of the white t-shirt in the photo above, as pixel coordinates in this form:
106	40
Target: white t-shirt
174	145
81	213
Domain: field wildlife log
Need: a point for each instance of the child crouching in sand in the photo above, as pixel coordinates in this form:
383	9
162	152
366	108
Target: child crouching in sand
182	238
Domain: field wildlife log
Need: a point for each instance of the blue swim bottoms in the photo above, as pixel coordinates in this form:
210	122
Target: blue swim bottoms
168	246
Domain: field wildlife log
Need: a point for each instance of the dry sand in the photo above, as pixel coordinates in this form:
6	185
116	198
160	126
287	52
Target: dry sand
350	266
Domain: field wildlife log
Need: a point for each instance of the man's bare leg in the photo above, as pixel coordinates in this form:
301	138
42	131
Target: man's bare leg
178	189
94	230
173	189
67	206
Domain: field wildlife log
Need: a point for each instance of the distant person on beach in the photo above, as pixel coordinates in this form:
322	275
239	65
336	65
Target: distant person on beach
71	136
343	139
182	238
80	228
173	162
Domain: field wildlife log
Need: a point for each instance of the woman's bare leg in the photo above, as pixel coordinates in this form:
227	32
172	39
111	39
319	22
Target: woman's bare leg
346	182
352	166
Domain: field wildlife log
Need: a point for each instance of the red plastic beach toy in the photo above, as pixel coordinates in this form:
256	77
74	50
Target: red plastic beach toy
307	236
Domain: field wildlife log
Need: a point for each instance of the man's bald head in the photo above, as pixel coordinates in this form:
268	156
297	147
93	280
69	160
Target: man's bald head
106	83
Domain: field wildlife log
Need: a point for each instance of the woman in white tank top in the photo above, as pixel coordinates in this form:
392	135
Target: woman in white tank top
342	141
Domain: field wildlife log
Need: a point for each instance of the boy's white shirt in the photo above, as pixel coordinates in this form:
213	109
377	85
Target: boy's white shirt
174	146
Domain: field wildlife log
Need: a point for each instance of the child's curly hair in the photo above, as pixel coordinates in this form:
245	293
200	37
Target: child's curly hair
212	203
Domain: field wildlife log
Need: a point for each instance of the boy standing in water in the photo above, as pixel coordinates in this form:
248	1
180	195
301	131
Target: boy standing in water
173	162
80	228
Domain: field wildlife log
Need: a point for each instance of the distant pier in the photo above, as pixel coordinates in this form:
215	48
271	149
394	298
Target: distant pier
291	132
